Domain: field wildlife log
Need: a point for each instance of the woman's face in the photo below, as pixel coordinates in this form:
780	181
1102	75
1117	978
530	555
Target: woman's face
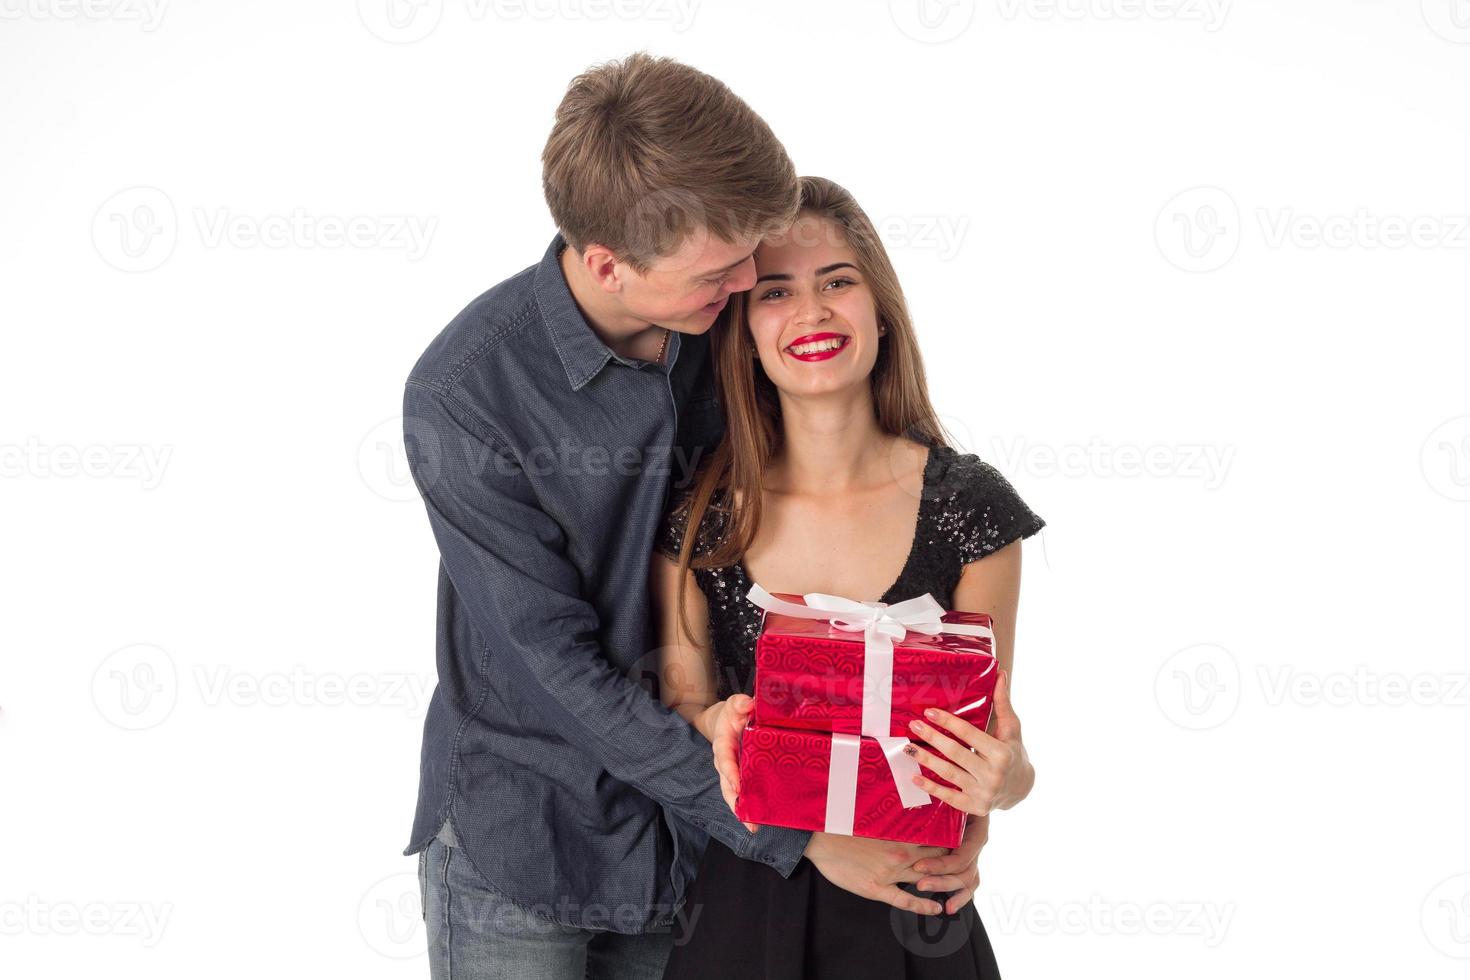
811	313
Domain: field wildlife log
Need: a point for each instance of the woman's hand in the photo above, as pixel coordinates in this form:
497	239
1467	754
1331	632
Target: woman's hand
724	721
991	772
956	872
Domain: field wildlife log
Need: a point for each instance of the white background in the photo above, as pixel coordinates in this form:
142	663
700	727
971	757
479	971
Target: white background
1191	273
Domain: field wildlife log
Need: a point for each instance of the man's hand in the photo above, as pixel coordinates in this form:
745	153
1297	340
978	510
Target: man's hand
957	871
992	772
871	868
727	720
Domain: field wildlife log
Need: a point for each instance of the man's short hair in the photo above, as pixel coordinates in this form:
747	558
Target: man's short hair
646	150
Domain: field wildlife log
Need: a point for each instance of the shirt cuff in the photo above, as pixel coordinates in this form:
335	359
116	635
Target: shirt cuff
779	847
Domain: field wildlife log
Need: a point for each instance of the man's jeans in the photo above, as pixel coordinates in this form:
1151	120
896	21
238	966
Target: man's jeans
476	934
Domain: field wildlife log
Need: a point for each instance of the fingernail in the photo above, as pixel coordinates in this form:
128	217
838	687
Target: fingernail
916	725
931	713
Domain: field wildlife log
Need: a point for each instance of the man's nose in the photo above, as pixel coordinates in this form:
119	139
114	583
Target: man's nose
742	278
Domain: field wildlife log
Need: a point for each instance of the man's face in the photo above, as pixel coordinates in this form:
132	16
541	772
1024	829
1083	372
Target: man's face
686	289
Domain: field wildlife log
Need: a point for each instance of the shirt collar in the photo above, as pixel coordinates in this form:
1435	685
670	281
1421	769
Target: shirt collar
582	352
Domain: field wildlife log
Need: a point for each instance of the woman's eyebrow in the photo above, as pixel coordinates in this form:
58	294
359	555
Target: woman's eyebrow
787	277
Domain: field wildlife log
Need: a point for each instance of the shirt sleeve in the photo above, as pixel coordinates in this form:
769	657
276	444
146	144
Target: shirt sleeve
506	558
995	514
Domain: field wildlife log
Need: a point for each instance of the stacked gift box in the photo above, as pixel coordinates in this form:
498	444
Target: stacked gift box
836	684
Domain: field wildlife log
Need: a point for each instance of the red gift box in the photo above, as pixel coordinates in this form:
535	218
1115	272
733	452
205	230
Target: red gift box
809	674
784	779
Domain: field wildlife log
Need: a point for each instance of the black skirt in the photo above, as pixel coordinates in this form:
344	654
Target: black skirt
746	922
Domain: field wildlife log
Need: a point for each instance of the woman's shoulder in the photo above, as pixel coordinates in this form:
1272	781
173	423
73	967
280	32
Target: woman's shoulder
975	506
669	538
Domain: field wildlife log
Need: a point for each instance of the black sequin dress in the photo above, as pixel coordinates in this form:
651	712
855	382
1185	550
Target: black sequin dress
751	922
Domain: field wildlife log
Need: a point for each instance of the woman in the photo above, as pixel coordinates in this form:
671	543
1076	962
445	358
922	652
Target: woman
833	477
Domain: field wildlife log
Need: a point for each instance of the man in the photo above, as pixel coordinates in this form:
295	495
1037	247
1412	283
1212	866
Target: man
562	809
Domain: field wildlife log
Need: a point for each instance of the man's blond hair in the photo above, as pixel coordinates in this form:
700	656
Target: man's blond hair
646	151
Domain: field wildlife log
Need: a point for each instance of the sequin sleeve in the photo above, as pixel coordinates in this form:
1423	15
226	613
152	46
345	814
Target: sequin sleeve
993	513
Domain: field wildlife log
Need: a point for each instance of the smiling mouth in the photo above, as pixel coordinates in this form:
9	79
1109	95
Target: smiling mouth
817	346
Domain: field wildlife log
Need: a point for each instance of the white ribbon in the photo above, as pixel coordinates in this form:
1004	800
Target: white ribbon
880	623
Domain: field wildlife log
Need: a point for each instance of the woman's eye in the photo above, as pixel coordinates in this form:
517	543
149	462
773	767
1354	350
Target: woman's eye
771	293
840	281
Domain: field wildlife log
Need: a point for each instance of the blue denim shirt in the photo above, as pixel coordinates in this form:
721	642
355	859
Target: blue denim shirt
545	460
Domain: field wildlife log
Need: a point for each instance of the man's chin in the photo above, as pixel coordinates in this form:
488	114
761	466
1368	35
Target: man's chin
695	323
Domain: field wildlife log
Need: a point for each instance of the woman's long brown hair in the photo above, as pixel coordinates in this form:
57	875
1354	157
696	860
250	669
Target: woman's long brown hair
734	472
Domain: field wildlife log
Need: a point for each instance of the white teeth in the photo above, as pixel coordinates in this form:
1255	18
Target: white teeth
819	345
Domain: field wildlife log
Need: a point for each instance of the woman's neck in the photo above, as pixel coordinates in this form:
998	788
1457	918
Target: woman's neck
831	444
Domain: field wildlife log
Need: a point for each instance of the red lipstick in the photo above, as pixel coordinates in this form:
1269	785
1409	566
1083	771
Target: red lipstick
828	351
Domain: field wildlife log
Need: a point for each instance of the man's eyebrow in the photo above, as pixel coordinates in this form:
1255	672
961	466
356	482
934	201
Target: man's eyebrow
719	272
786	277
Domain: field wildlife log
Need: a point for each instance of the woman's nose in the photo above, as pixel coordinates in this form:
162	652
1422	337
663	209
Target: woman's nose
812	310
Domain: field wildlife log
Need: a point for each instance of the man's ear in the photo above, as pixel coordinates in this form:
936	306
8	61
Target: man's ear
602	265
